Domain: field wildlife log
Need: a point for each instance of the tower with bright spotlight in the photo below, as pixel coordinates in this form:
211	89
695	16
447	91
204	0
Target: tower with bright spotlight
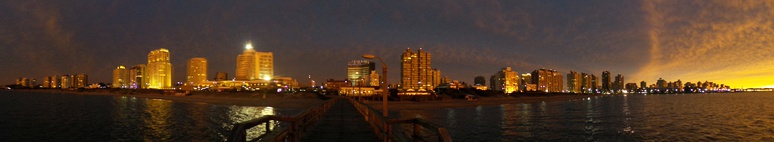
254	65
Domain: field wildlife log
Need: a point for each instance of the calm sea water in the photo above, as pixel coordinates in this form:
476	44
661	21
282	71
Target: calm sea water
29	116
687	117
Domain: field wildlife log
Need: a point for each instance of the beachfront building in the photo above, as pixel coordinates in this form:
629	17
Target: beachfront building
417	73
67	81
505	80
80	80
138	78
574	82
547	80
159	69
197	71
120	77
254	65
55	81
586	83
47	82
526	83
606	84
618	85
359	72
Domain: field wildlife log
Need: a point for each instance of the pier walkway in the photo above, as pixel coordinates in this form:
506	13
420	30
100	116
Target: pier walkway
342	123
340	119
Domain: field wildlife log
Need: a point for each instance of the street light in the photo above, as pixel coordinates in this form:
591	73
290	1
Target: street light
383	84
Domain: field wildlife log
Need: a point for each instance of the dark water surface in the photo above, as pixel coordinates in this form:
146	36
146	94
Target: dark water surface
690	117
687	117
27	116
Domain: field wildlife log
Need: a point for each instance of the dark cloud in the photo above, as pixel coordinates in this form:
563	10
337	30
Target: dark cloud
643	40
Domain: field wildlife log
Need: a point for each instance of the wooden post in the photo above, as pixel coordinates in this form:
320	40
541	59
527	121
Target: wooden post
417	133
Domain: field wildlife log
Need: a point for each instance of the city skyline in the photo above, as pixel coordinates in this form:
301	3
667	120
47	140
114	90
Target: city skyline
720	41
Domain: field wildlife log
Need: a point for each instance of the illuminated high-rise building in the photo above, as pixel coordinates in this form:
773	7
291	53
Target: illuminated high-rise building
586	83
197	71
618	85
594	84
359	72
526	83
574	82
505	80
80	80
416	72
121	77
47	82
547	80
643	85
253	65
56	82
436	78
374	79
67	81
606	84
138	78
159	69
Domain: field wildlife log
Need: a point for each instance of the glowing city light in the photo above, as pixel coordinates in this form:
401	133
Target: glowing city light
249	46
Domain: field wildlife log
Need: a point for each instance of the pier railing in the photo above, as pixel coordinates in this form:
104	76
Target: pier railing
383	127
298	124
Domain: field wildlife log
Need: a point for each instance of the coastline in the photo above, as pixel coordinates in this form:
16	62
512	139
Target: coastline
308	100
294	101
483	101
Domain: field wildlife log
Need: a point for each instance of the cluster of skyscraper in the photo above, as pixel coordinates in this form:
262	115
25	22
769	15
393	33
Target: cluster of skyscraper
253	70
157	74
662	86
63	81
509	81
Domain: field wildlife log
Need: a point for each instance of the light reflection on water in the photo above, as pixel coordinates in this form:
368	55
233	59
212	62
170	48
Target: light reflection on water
116	118
686	117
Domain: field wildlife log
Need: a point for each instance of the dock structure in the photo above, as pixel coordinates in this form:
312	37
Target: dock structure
342	123
340	119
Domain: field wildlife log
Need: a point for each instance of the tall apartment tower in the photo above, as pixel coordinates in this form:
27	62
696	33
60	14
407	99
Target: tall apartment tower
547	80
505	80
585	83
56	81
618	85
197	71
47	82
606	84
416	73
574	82
359	72
253	65
159	69
121	77
594	84
80	80
67	81
138	78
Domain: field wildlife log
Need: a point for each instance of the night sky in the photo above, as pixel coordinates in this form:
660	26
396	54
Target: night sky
724	41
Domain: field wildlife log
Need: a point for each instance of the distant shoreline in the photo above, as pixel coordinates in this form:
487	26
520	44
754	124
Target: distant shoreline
482	101
308	100
295	101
